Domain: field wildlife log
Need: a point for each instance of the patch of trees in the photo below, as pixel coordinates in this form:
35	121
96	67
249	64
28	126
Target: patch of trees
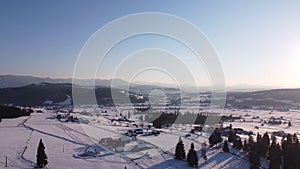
291	152
284	155
192	157
161	119
230	118
13	112
165	119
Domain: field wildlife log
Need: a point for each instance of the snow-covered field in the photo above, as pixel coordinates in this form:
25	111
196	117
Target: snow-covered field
68	143
61	141
255	124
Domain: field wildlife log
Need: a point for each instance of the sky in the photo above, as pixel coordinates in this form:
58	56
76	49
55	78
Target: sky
258	42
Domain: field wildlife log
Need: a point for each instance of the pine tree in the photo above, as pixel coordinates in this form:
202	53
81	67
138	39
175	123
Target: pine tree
264	144
295	138
272	148
41	157
192	157
232	136
251	143
245	146
215	137
274	155
238	144
254	157
290	152
179	151
258	138
225	147
251	139
286	152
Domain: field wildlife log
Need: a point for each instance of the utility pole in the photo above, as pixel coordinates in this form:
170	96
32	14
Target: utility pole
6	161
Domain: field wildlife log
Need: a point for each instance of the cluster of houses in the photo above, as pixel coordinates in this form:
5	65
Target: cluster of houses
66	117
273	120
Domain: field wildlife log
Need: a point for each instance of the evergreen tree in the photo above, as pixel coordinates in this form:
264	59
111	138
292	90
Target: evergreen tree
274	155
41	157
290	152
258	138
254	157
215	137
286	152
251	143
245	146
295	138
251	140
264	144
289	124
232	136
192	157
225	147
179	151
238	144
272	148
203	151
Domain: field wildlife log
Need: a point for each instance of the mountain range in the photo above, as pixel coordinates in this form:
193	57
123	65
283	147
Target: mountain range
18	81
34	91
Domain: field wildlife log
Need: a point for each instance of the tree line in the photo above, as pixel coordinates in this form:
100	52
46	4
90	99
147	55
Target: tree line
13	112
161	119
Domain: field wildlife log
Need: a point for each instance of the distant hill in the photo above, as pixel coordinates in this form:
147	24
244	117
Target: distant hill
33	94
18	81
277	98
60	94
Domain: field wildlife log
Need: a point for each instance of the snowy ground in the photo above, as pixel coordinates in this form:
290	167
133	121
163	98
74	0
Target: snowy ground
256	126
61	143
64	141
13	143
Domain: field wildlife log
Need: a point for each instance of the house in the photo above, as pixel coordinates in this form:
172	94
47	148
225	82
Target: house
275	121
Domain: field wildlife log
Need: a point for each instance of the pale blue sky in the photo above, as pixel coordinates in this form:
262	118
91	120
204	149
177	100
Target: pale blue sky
258	42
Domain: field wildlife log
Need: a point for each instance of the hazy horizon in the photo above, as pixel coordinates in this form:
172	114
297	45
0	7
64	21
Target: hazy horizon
156	83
